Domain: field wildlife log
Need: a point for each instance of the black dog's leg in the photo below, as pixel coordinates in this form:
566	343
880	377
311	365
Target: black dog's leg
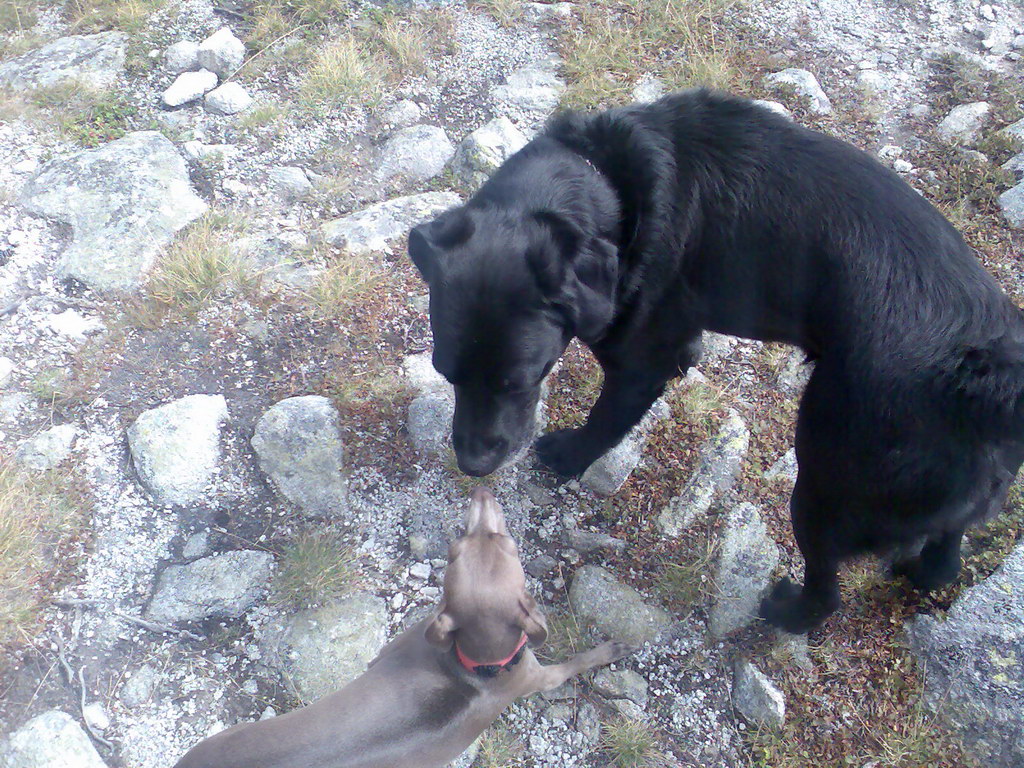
624	400
798	610
936	566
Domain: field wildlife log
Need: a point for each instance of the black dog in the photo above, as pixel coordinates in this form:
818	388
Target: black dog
636	228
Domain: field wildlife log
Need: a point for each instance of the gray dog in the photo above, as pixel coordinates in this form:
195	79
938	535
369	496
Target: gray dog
435	687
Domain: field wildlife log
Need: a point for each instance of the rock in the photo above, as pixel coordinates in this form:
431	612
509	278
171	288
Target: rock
94	60
920	111
181	57
759	702
376	228
621	684
403	114
963	123
1015	164
298	443
805	84
872	82
47	449
289	183
322	650
973	664
198	545
718	469
715	347
1012	204
73	325
189	86
6	369
140	687
124	201
608	474
785	468
541	12
485	149
748	557
616	609
50	740
796	372
218	586
196	150
176	447
228	99
534	88
465	760
774	106
541	566
96	716
586	542
648	89
1018	43
416	154
221	53
430	423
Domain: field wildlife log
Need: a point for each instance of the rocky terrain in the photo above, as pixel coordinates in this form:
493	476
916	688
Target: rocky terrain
225	470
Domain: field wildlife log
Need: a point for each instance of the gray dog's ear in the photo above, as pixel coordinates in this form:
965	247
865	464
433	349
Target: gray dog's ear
428	242
533	622
439	630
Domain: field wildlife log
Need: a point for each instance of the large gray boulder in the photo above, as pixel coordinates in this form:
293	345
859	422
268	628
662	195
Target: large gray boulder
973	664
1012	203
616	609
719	467
805	84
94	60
378	227
221	53
298	442
176	447
756	698
417	153
482	152
748	557
963	123
322	650
218	586
124	201
53	739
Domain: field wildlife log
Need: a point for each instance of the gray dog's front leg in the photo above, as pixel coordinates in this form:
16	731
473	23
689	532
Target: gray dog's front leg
549	678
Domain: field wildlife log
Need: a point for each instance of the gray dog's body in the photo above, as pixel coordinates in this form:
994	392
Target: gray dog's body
418	706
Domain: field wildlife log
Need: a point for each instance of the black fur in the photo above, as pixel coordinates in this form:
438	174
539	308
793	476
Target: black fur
637	228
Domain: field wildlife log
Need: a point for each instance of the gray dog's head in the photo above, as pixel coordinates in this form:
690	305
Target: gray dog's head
508	291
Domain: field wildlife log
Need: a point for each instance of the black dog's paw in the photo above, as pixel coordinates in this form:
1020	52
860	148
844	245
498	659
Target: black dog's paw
559	451
788	609
922	578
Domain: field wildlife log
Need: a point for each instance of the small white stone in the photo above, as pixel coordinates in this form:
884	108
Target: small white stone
189	86
95	716
902	166
73	325
221	52
182	57
228	99
987	12
25	166
419	571
6	369
777	108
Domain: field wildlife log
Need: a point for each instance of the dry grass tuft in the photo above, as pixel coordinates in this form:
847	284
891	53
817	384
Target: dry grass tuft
315	568
506	12
632	744
500	748
18	15
88	16
347	278
343	71
685	581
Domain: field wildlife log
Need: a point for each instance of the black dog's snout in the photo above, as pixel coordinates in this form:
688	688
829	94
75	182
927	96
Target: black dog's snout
479	455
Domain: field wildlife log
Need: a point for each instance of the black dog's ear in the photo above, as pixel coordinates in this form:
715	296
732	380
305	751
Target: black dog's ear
579	275
428	241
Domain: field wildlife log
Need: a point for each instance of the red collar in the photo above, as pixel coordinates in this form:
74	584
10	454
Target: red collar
479	667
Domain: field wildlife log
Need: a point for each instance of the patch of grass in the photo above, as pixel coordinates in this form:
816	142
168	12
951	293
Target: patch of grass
506	12
404	44
34	513
347	277
18	15
268	115
311	13
614	42
968	185
100	15
500	748
628	743
84	114
687	583
701	403
315	568
343	70
198	265
566	637
957	80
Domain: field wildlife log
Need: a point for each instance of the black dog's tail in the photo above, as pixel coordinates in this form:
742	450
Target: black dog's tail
988	380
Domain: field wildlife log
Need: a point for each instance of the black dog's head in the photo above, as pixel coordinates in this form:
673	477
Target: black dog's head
508	290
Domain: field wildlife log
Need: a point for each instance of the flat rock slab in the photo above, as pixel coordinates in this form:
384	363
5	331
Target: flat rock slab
94	60
616	609
51	740
756	698
378	227
176	447
298	442
47	449
973	664
719	467
124	201
219	586
323	650
417	153
963	123
609	473
748	557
